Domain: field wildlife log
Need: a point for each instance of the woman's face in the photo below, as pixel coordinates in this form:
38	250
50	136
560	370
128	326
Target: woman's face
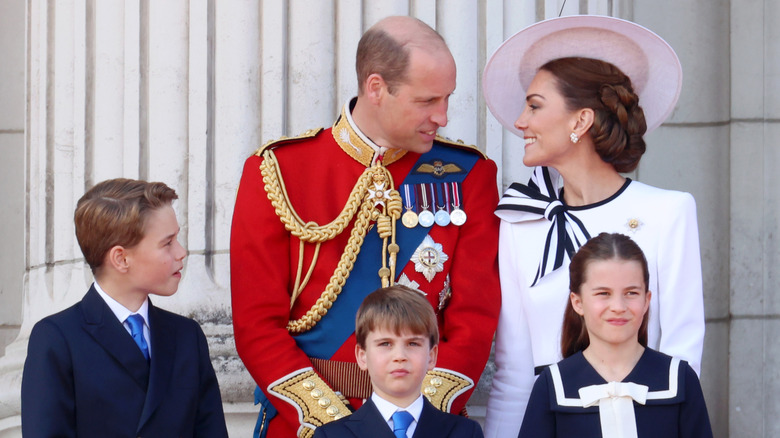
613	301
546	123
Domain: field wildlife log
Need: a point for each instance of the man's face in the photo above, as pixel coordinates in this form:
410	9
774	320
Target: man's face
409	117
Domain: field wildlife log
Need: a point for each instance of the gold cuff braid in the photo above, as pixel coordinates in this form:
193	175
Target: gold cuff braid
441	387
316	402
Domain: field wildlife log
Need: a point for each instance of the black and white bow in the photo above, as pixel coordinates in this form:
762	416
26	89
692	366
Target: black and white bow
541	199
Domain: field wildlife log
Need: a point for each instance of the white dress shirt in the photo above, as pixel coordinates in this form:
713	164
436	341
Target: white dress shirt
387	410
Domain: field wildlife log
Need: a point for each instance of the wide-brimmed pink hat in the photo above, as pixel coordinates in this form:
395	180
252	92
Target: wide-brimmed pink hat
646	58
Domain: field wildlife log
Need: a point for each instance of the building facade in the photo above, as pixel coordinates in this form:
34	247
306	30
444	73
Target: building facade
182	91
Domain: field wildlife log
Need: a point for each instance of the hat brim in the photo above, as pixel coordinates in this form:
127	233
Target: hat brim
652	65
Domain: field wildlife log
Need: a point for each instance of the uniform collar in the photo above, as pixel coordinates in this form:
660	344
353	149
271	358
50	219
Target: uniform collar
356	144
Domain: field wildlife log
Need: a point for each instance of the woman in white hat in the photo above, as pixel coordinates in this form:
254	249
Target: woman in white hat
582	91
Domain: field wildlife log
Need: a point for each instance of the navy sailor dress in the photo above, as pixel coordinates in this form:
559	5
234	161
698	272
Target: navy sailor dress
668	401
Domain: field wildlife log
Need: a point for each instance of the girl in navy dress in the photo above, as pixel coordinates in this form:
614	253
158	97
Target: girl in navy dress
610	384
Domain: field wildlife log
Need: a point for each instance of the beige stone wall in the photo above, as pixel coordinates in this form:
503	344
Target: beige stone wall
182	91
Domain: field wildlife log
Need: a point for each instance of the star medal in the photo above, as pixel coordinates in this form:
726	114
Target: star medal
425	216
457	215
429	258
442	217
409	218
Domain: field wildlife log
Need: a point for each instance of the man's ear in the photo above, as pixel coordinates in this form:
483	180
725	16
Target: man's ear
117	258
375	88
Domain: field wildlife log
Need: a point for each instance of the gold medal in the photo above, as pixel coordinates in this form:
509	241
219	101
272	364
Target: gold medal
409	219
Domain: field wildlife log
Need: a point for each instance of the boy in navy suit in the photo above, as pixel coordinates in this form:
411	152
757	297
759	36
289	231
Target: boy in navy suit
397	340
113	365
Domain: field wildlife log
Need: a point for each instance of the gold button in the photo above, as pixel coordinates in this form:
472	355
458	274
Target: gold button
332	411
437	381
633	223
338	417
316	393
308	385
429	391
324	402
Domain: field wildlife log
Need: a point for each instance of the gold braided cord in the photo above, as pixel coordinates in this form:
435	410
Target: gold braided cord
339	277
309	231
359	202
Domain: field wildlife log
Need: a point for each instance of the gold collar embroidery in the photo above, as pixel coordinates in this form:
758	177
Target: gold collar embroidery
357	145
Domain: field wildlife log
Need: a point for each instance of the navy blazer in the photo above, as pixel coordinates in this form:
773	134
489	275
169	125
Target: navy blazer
368	422
85	376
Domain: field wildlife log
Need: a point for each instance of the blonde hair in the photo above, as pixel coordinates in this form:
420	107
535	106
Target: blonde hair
114	212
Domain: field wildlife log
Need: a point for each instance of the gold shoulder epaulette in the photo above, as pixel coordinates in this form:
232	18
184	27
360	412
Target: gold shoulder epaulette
442	386
314	400
282	140
460	145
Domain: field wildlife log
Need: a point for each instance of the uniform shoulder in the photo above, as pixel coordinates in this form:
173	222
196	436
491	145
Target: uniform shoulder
459	144
281	141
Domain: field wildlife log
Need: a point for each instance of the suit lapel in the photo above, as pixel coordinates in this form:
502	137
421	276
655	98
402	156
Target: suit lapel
163	334
367	421
105	328
433	422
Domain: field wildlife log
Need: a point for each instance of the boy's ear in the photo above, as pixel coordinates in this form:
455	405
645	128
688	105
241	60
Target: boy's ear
117	258
360	356
432	356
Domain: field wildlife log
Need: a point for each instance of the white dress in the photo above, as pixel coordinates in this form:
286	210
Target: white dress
662	222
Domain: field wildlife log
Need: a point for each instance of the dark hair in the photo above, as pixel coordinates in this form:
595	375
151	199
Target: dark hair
605	246
619	121
114	212
397	308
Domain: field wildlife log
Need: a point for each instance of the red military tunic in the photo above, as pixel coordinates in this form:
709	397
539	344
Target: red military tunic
319	170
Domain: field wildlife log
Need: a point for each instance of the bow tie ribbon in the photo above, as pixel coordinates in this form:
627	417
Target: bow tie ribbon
616	406
541	199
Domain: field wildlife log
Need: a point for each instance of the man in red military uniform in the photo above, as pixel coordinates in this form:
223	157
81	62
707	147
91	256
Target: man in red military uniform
323	219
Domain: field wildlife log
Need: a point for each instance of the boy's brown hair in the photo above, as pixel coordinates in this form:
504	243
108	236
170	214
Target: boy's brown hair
397	308
114	212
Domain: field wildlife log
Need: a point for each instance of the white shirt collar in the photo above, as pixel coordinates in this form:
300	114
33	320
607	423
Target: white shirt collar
378	150
121	311
387	409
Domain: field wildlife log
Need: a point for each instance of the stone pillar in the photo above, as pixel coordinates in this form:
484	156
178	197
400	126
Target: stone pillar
754	361
182	91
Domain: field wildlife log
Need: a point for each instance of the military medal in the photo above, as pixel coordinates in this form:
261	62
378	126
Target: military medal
429	258
409	219
426	217
442	217
457	215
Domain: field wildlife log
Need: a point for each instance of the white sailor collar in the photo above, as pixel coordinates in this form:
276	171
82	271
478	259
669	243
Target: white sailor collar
356	144
663	375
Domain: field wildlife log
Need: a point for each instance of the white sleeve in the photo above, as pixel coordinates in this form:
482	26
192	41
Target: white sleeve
514	377
680	299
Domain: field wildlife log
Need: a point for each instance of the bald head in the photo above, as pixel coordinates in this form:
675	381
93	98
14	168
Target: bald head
386	46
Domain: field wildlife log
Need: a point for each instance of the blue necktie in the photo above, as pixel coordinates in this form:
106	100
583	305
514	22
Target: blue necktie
401	422
136	323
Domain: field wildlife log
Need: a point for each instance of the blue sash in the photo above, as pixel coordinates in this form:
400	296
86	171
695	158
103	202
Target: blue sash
337	326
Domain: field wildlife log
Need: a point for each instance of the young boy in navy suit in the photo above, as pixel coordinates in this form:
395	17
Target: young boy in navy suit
397	342
113	365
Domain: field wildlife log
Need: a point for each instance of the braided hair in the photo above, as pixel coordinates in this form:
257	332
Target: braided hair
619	121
